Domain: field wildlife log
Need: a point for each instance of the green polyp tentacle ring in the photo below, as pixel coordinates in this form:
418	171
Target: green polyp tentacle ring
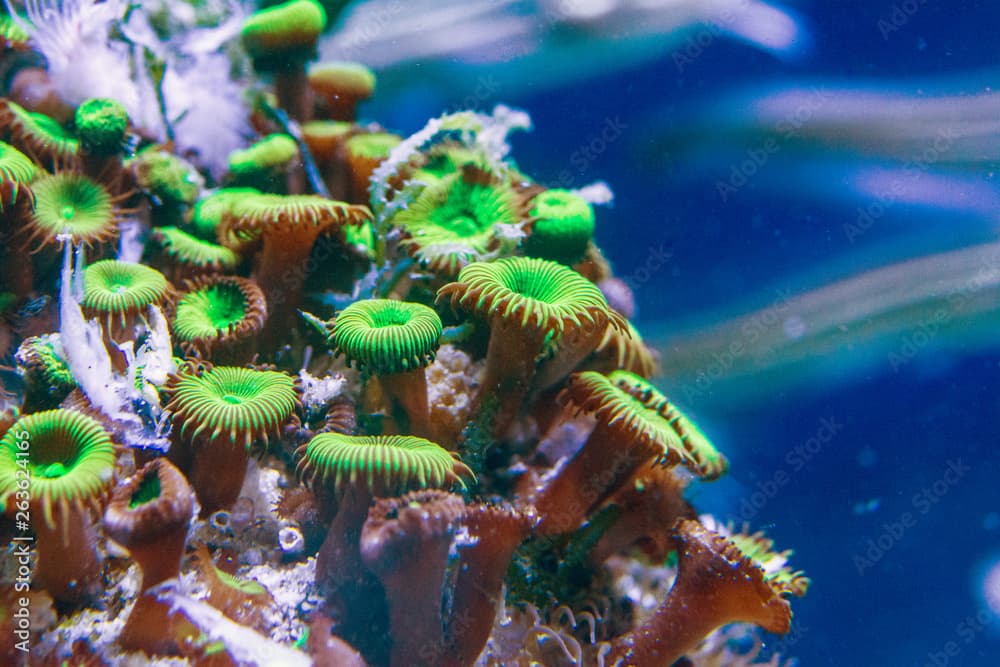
69	459
381	465
231	405
387	336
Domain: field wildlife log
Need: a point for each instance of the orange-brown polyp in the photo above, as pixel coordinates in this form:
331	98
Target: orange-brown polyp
353	594
347	473
155	630
611	454
237	344
325	140
405	542
244	601
16	202
149	515
69	469
495	533
572	347
328	649
217	471
25	135
409	390
362	164
154	530
340	87
617	349
68	565
716	584
510	365
651	503
521	324
289	227
213	455
341	417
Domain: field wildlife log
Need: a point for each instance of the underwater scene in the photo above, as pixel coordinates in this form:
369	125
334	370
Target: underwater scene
498	333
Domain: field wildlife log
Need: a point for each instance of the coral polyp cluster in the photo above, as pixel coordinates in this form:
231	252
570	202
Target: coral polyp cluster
335	396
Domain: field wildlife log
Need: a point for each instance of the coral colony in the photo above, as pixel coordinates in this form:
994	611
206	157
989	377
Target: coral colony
324	395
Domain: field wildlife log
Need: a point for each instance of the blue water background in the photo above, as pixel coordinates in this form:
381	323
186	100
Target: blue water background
896	431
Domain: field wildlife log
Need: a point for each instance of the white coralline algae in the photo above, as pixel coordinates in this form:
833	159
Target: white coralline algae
484	133
318	392
83	60
137	415
97	48
245	645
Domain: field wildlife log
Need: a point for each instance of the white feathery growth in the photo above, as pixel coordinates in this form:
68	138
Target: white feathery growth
485	133
204	104
209	108
245	645
598	193
83	60
138	417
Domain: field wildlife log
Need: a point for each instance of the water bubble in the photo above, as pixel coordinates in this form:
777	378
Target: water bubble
291	541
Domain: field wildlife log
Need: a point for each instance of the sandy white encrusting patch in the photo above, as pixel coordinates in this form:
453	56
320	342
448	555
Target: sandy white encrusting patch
262	486
645	586
452	382
317	392
98	628
294	595
242	643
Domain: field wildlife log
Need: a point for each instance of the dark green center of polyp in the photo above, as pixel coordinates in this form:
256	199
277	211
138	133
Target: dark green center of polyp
120	284
529	286
68	212
232	400
391	318
51	470
149	490
225	307
464	225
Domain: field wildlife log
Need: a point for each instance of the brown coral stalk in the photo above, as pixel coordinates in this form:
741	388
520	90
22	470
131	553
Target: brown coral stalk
328	649
68	566
154	530
570	492
353	596
652	502
496	533
216	471
409	390
510	366
715	585
405	542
